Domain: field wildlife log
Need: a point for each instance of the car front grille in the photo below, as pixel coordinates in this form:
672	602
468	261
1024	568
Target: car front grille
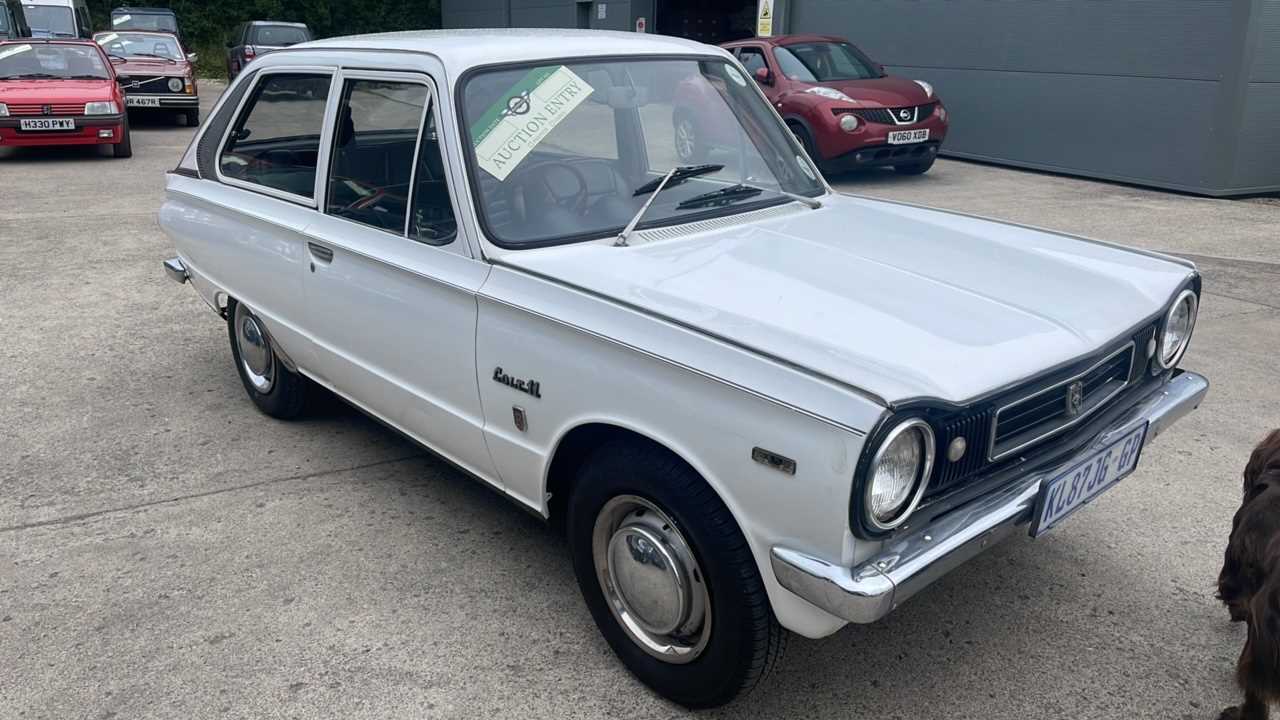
1031	419
1001	429
148	86
891	116
59	109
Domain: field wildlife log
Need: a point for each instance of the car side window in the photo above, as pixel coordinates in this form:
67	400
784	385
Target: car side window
431	221
275	142
373	150
752	59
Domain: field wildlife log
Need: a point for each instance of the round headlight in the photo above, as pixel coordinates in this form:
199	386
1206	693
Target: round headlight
848	122
898	474
175	84
1176	334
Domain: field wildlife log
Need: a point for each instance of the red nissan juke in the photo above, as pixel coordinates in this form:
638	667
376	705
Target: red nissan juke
842	106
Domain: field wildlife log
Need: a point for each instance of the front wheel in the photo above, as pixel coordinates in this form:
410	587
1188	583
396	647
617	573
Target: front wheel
276	390
690	147
669	577
124	148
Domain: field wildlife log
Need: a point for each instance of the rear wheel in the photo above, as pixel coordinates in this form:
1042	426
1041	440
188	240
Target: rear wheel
669	577
276	390
124	148
915	168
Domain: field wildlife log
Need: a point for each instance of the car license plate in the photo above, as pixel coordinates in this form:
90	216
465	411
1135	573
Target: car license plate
902	137
142	101
48	124
1072	489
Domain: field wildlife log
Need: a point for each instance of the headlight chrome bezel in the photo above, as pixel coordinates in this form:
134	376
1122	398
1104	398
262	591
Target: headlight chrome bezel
178	82
1171	362
923	473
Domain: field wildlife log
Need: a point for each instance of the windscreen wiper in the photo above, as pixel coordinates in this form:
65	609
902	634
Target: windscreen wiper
153	55
677	176
733	193
661	184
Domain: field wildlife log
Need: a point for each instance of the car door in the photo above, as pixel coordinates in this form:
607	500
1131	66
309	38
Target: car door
390	289
251	242
753	58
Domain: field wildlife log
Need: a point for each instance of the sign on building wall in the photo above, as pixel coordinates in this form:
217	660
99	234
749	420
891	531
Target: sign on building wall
602	11
764	19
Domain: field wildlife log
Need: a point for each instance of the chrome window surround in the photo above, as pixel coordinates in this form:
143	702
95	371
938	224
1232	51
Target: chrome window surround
325	140
926	432
1164	327
1093	408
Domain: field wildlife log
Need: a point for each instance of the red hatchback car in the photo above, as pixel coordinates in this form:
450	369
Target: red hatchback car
842	106
60	92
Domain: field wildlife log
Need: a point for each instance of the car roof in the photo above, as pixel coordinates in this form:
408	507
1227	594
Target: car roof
277	22
48	41
787	40
143	10
459	50
52	3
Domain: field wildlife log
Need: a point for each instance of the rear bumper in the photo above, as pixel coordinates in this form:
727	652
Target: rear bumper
869	591
89	131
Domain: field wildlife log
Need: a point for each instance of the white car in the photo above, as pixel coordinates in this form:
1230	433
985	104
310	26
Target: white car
752	403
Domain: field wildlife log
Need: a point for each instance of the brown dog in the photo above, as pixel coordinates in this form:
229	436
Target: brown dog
1249	584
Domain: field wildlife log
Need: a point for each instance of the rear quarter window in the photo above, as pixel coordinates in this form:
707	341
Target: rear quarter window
279	35
275	142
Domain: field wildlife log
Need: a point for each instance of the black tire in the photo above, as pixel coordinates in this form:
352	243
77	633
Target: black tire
691	148
745	639
192	117
286	398
807	142
915	168
124	148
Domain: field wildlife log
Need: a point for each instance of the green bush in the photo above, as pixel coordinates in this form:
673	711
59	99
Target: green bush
207	24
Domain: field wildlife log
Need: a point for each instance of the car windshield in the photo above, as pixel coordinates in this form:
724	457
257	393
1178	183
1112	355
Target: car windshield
567	152
50	21
140	45
145	21
279	35
50	62
824	61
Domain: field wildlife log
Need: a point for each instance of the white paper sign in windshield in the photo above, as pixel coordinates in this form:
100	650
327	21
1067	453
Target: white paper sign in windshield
11	51
121	19
512	127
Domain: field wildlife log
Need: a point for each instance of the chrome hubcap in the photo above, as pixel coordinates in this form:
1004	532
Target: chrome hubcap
256	356
684	139
651	580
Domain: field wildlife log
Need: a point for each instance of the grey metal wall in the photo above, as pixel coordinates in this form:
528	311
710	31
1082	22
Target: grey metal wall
1181	94
1143	91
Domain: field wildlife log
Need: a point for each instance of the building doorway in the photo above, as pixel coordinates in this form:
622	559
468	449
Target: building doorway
708	21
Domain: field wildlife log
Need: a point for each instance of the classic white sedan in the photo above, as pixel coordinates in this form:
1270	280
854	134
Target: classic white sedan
751	403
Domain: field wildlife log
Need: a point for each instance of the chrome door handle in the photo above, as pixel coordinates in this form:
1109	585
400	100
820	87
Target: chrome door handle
320	252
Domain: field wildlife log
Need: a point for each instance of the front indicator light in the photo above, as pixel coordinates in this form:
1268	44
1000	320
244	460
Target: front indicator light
898	474
4	110
848	122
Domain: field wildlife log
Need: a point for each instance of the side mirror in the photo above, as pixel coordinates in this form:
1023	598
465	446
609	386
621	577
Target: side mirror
763	76
193	58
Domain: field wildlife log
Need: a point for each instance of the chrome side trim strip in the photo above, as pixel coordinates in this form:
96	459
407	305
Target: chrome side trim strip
869	591
995	421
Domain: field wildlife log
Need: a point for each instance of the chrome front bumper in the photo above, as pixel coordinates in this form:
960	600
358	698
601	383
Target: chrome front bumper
908	564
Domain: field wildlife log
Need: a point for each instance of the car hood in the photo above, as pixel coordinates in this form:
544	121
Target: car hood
898	301
887	91
55	91
151	68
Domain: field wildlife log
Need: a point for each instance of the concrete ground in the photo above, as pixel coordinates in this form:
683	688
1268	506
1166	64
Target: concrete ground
167	551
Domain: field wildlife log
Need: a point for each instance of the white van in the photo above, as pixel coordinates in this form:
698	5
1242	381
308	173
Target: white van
58	18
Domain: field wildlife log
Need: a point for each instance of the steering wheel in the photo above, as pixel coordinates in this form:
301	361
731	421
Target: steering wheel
541	173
